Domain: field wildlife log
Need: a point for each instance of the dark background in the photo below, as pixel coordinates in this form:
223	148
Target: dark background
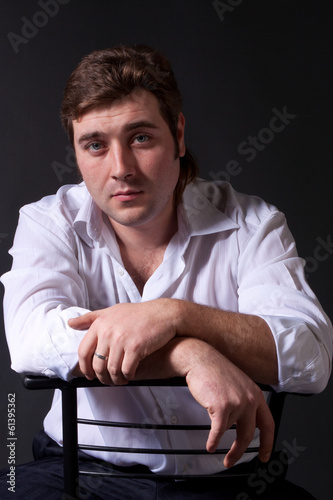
234	68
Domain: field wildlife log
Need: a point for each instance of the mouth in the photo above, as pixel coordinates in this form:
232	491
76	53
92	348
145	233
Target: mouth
126	195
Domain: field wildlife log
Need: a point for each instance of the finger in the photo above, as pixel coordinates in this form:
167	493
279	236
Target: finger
245	432
86	352
114	367
129	365
218	428
266	425
100	367
85	321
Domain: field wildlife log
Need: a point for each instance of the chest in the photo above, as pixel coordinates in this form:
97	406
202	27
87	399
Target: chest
203	273
142	265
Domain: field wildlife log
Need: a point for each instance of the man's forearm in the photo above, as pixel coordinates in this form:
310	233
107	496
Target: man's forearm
127	333
175	359
224	390
244	339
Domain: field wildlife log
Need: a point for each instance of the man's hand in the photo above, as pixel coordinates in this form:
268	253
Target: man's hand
124	333
138	340
226	392
230	397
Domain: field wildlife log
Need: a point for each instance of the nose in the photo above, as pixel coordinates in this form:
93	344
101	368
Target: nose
121	162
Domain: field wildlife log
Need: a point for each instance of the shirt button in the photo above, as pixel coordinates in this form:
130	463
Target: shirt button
120	272
174	419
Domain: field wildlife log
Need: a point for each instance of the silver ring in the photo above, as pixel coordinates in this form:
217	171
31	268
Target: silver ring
100	356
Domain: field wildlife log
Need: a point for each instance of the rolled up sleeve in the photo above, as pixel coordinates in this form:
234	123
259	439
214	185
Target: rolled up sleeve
42	291
274	287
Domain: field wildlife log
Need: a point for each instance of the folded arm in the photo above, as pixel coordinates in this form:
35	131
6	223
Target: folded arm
127	333
228	395
280	323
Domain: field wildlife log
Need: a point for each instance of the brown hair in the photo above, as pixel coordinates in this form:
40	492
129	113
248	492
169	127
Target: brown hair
106	75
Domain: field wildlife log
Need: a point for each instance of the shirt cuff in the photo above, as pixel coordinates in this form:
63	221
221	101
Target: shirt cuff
303	362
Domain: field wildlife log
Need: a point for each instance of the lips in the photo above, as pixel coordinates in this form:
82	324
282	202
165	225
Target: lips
126	195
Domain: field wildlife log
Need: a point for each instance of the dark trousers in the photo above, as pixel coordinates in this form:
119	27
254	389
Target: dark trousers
43	480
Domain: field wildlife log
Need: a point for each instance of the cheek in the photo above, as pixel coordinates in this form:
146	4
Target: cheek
163	166
94	183
171	172
91	172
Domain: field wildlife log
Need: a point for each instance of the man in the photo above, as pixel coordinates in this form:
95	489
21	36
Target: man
143	271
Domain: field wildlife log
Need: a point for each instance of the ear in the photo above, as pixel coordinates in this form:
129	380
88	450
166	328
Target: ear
181	134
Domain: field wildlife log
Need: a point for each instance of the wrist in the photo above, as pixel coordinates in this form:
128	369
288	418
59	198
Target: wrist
173	312
176	359
188	354
179	315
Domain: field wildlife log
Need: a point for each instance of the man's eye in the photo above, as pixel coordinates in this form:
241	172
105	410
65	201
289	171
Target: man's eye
141	138
95	146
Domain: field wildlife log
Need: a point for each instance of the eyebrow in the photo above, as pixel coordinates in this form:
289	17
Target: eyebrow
128	128
139	124
89	136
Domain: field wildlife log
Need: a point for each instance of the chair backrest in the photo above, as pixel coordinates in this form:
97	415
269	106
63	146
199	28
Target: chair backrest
71	421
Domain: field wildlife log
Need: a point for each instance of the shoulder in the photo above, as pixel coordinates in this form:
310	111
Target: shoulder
54	216
239	207
61	206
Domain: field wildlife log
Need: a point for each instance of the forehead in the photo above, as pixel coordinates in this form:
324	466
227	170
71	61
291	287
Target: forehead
140	104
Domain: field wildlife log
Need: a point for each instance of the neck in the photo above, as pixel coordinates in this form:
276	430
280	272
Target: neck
142	250
152	238
153	235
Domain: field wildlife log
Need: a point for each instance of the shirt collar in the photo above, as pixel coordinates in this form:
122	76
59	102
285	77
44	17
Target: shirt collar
202	212
89	220
203	208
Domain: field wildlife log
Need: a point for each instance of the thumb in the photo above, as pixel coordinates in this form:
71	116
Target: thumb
85	321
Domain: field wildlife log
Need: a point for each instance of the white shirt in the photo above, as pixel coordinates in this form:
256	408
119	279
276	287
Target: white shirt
231	251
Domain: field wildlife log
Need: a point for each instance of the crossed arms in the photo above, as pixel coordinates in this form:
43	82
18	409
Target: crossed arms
155	340
56	276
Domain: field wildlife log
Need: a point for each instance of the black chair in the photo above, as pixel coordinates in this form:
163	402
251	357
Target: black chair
70	432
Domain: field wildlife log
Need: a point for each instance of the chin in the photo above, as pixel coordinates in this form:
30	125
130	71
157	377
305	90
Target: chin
130	220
